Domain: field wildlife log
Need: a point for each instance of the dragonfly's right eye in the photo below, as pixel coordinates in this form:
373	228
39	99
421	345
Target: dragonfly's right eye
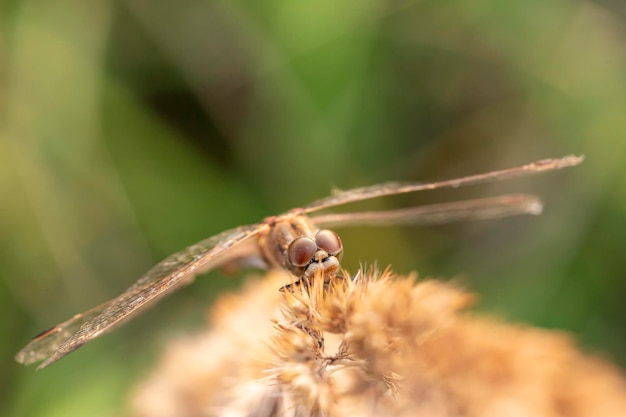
301	251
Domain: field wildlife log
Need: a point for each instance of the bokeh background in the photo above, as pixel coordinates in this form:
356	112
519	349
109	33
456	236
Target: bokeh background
131	129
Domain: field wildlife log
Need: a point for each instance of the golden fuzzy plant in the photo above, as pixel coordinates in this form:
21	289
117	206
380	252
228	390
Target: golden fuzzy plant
377	345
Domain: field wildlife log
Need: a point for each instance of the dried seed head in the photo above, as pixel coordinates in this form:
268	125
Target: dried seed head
378	344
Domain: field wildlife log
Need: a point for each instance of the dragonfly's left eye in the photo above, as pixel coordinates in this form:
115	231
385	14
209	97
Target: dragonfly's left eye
301	251
330	242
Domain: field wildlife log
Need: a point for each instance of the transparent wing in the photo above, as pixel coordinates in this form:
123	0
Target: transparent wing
392	188
170	274
482	208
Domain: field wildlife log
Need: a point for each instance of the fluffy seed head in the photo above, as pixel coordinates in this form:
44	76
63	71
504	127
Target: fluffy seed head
374	344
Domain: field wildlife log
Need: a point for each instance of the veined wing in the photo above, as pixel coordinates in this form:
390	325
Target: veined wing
393	188
481	208
170	274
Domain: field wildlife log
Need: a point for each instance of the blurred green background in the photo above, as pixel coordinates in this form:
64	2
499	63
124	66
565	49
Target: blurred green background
131	129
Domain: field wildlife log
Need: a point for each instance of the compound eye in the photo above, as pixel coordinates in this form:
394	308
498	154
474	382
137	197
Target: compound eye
301	251
329	241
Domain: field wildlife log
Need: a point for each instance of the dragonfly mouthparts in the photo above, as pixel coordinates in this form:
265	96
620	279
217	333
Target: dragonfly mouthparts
329	265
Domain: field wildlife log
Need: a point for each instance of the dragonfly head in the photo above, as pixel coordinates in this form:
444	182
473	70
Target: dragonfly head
306	255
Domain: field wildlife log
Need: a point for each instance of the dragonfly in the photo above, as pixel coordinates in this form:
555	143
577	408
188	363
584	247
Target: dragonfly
298	240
